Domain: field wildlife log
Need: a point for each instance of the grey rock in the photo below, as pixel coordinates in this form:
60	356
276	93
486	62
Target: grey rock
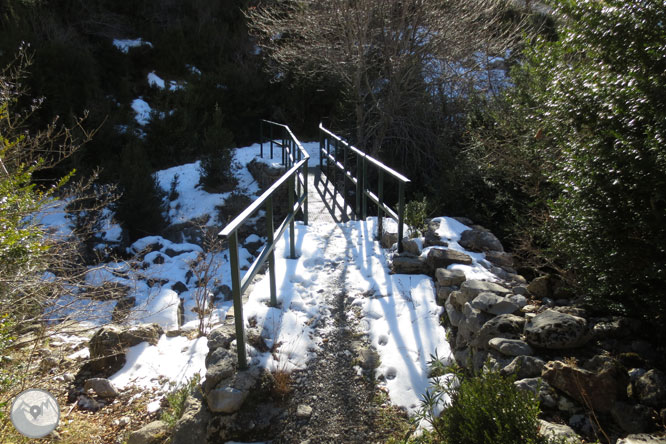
107	353
582	424
389	238
547	396
441	258
150	333
502	326
223	368
558	432
411	246
221	337
152	433
455	315
409	265
632	418
443	294
102	387
432	239
179	287
448	278
524	367
520	290
480	240
470	359
651	388
554	330
540	287
191	427
519	300
471	289
47	363
303	411
642	438
510	347
84	402
500	258
494	304
226	399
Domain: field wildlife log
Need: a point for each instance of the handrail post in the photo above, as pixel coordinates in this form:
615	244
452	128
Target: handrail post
321	149
335	170
292	229
238	302
270	232
261	137
271	134
380	210
344	178
401	213
364	177
305	191
358	188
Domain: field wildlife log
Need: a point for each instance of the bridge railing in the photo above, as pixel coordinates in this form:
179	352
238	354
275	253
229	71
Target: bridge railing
295	159
356	160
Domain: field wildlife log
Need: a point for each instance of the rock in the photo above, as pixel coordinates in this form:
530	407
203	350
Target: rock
558	432
598	390
368	359
642	438
583	425
389	238
500	258
107	353
545	393
84	402
519	300
150	333
411	246
553	330
503	326
191	427
472	323
449	278
432	239
443	294
47	363
303	411
540	287
226	399
632	418
470	359
441	258
494	304
409	265
471	289
122	309
102	387
179	287
222	368
223	292
520	290
152	433
510	347
480	240
651	388
524	367
455	315
222	337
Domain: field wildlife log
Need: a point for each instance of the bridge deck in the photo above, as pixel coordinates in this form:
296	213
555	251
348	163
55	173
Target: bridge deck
322	207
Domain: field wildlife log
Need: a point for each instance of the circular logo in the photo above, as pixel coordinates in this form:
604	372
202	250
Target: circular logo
35	413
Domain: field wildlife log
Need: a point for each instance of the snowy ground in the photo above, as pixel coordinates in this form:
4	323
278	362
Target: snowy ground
398	312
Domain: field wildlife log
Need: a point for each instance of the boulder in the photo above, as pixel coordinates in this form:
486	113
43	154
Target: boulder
222	368
472	288
650	388
554	330
221	337
443	294
409	265
510	347
558	432
150	333
191	427
503	326
632	418
455	315
449	278
152	433
107	353
470	359
494	304
102	387
541	389
389	238
500	258
473	321
479	240
598	390
226	399
441	258
432	239
411	246
540	287
524	367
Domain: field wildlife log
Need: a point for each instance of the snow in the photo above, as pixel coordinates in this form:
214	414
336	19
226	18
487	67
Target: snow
124	45
142	110
155	80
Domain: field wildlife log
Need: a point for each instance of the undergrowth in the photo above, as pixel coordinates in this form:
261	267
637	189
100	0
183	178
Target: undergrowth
176	400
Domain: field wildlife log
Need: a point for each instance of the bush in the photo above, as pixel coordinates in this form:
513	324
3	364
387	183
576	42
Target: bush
483	409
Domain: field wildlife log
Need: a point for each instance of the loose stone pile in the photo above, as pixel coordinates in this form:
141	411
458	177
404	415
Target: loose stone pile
591	373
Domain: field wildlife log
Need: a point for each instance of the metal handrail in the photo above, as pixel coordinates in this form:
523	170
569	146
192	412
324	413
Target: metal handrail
363	191
296	177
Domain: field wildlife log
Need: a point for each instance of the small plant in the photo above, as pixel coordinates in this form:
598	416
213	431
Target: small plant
176	400
416	213
206	270
483	409
173	188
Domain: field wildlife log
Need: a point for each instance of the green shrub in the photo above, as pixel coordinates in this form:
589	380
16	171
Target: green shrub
176	400
416	212
483	409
